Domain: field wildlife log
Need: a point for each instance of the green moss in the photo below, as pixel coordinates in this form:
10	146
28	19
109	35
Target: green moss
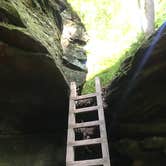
41	26
114	70
13	27
6	5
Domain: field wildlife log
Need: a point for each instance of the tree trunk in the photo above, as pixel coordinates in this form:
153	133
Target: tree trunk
147	16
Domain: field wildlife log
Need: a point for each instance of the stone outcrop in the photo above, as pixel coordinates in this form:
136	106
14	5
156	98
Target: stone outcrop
41	51
49	26
73	39
136	107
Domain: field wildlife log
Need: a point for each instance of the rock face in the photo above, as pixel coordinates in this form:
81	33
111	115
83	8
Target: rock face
136	107
45	26
40	54
73	39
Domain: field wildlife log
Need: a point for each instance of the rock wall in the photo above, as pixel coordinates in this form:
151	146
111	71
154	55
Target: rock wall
136	107
45	26
41	51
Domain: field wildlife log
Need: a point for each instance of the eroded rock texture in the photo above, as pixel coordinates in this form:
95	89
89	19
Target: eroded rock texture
41	51
137	104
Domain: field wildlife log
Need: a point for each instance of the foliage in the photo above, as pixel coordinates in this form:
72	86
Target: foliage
160	7
114	70
114	28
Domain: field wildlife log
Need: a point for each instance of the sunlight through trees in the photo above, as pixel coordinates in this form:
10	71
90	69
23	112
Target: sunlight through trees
113	27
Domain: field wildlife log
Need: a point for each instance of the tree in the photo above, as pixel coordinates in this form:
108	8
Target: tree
147	11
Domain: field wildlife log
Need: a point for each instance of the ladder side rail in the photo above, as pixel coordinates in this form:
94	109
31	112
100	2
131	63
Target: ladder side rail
99	99
71	122
103	133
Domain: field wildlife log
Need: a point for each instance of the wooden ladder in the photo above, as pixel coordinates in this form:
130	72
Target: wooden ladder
72	143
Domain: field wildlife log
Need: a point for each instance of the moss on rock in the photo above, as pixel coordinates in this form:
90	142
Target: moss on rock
34	80
43	21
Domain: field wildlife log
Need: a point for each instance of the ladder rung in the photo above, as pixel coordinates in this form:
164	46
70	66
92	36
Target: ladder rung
85	96
87	109
87	162
87	142
87	124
